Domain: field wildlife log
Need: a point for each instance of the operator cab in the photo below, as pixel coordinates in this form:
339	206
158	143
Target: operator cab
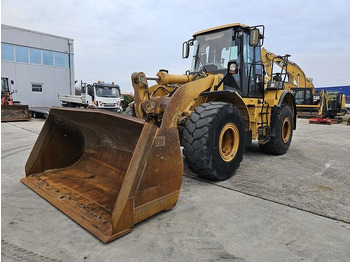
306	96
216	48
4	86
101	89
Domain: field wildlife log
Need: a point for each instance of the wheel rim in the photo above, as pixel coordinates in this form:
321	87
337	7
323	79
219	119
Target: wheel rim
228	142
286	130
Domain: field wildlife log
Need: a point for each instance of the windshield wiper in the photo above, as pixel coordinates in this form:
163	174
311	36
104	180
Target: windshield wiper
200	63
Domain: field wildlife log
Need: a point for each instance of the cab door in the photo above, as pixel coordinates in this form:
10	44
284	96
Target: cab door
252	71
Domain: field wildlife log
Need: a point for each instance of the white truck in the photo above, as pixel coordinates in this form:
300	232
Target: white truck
98	95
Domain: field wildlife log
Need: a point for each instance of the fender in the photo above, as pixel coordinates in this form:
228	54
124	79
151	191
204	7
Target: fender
288	98
232	97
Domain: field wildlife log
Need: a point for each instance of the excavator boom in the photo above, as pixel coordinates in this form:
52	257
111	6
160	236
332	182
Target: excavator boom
296	76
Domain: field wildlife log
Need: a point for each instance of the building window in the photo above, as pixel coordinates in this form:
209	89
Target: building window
21	54
60	60
35	56
47	58
7	52
37	88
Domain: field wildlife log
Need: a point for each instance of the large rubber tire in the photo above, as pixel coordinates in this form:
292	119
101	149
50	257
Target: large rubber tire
282	123
213	140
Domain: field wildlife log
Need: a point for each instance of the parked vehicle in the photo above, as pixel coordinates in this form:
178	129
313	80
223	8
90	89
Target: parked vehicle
109	172
11	110
97	95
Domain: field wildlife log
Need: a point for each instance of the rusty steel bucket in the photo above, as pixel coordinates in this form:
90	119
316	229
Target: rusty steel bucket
11	113
104	170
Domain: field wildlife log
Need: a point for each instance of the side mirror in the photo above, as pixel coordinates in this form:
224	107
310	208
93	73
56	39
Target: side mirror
185	50
254	37
12	82
232	68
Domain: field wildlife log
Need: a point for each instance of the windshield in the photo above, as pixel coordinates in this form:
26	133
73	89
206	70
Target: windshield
214	50
107	92
4	85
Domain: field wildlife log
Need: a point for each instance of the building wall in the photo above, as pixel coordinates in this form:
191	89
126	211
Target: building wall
30	75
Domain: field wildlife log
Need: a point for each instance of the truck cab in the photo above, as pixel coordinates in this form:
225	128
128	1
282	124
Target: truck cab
102	95
97	95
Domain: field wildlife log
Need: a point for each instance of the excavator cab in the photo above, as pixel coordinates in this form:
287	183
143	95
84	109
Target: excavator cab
336	104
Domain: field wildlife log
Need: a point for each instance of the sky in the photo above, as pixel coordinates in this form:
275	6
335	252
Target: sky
114	38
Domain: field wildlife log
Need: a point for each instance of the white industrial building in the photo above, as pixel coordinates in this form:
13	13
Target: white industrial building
40	64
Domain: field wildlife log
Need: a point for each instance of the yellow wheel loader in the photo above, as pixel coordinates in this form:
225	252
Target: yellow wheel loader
108	172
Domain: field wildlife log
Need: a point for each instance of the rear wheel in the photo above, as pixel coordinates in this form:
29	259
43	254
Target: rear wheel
282	120
213	140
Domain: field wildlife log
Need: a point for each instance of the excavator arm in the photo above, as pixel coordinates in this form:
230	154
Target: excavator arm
296	76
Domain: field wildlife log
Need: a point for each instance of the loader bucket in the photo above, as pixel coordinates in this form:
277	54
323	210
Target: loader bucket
104	170
11	113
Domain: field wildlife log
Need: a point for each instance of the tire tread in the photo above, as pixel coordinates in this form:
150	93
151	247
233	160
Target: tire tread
195	135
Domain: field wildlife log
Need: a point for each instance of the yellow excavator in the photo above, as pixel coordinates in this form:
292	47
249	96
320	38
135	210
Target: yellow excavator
309	102
108	171
331	108
306	98
296	76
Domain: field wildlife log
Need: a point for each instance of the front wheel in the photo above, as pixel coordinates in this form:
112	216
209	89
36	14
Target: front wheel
282	122
213	140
